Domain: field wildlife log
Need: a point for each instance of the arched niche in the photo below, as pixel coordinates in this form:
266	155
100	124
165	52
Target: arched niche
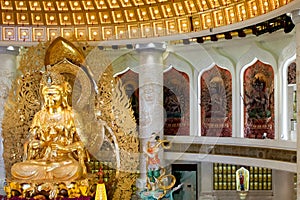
177	95
259	60
199	59
216	102
287	68
216	97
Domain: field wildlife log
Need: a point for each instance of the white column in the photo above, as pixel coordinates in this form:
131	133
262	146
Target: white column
150	98
7	71
296	21
283	185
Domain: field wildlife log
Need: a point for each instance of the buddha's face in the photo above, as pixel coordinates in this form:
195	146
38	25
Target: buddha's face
52	97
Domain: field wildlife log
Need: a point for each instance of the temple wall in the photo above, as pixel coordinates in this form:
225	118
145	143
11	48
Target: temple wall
193	59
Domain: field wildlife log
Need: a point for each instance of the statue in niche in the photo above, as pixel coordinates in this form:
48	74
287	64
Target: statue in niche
54	150
258	106
217	104
259	101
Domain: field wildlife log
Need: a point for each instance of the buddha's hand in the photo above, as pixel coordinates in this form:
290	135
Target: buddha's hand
58	147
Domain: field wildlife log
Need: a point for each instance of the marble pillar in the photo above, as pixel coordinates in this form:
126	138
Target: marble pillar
7	72
283	185
151	110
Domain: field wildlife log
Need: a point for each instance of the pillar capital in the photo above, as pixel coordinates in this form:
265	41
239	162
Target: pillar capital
295	15
5	50
151	46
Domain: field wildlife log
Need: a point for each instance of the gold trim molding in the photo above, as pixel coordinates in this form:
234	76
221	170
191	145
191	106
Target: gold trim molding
94	20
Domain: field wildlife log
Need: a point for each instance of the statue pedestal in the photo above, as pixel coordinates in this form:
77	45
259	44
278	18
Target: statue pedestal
85	187
242	195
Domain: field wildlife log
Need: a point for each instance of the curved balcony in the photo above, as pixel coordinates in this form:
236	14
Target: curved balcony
273	154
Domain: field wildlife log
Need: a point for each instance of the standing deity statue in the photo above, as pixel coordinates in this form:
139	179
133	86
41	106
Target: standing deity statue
54	150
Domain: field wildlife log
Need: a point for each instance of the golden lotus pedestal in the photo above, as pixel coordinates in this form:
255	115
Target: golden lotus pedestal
83	188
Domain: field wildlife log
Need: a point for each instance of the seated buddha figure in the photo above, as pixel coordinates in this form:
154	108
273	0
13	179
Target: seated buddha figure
54	150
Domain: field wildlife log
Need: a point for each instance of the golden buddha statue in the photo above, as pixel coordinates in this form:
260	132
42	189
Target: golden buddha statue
54	151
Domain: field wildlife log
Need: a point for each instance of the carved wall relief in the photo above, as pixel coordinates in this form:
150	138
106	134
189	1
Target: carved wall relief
259	101
216	102
176	103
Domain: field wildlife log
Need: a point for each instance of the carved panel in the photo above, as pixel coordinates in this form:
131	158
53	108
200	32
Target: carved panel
176	103
216	102
259	101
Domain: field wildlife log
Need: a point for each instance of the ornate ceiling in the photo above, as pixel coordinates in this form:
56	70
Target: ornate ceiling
97	20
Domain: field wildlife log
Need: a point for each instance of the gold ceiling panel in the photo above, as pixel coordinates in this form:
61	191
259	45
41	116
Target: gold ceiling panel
35	6
37	20
88	5
143	14
62	6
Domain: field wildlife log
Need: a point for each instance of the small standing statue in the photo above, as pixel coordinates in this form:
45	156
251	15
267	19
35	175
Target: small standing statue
155	172
242	182
54	151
